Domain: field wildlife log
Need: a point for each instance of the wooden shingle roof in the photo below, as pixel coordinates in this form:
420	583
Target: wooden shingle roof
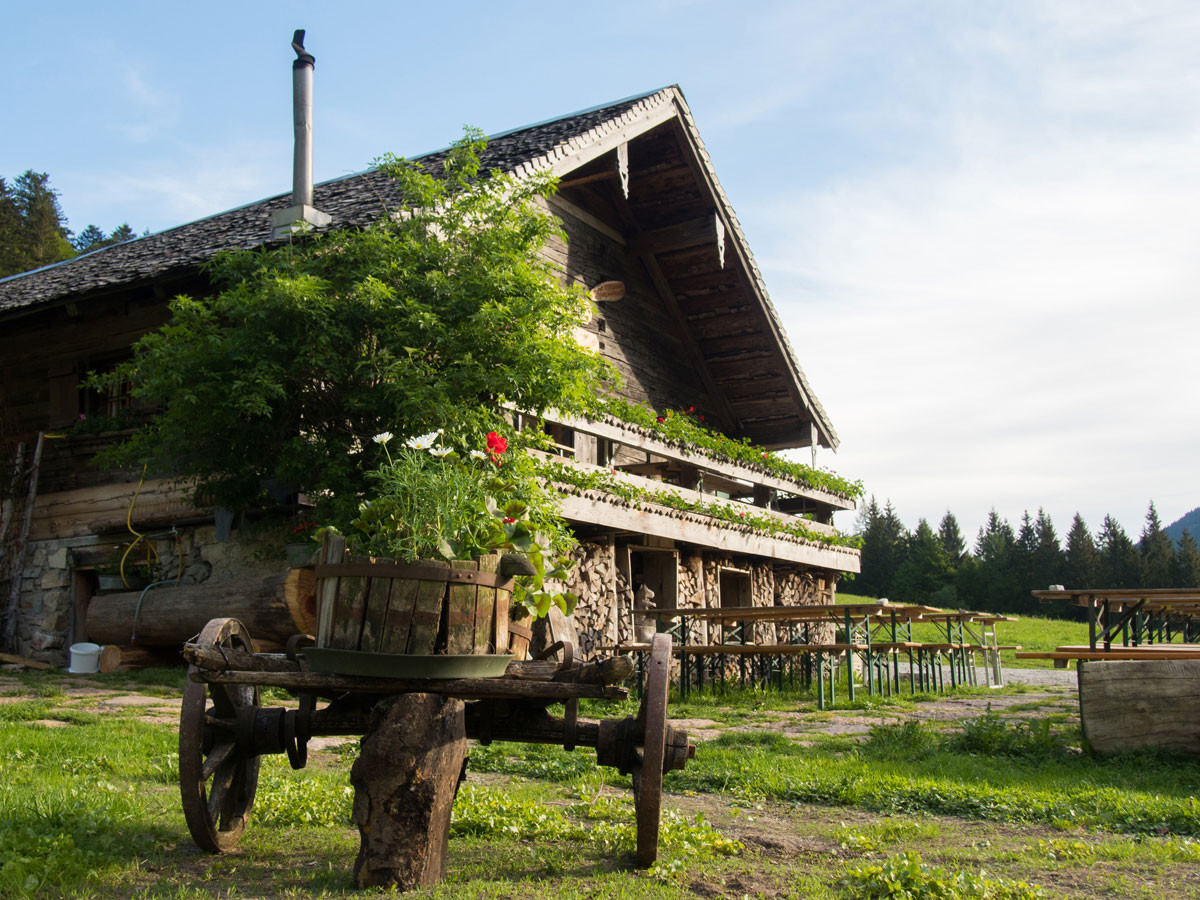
560	145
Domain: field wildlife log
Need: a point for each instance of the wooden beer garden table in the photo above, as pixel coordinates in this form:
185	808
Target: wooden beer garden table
1131	623
878	632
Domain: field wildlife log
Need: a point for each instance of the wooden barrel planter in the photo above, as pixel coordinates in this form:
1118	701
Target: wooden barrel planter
370	608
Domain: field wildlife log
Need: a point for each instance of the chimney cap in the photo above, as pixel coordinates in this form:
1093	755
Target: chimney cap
303	57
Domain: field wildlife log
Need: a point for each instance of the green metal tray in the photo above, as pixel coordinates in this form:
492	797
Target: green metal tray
400	665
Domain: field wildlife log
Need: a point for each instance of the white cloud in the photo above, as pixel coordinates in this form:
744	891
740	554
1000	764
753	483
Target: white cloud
1015	312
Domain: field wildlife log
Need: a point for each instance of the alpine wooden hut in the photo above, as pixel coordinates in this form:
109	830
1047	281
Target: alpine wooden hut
647	222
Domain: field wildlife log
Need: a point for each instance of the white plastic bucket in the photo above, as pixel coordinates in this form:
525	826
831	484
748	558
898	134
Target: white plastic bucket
85	658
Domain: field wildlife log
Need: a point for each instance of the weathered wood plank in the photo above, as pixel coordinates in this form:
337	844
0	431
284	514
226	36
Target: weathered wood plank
348	609
661	522
375	614
730	469
466	688
460	617
427	611
401	603
333	550
486	608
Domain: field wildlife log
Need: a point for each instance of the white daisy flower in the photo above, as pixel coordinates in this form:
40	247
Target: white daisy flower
478	454
383	437
440	451
422	441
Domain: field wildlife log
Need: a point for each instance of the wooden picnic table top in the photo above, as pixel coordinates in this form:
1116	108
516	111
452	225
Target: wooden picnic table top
1160	648
1091	596
826	611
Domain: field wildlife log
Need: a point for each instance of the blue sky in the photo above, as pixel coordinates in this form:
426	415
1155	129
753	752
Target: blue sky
979	221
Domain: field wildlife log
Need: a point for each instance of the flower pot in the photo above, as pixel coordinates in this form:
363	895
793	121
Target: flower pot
425	609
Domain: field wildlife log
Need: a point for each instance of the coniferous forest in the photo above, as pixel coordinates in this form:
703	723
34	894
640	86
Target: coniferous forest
1004	564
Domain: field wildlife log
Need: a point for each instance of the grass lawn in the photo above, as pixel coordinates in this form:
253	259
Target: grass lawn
973	795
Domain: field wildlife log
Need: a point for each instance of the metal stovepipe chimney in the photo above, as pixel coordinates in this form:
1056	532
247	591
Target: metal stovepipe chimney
302	115
301	213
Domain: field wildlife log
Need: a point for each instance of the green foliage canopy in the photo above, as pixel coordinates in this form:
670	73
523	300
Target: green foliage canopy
440	313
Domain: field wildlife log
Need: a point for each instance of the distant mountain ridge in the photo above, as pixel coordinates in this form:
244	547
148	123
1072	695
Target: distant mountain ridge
1189	522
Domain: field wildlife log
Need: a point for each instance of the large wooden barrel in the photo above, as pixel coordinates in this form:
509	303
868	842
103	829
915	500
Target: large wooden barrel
429	607
1135	704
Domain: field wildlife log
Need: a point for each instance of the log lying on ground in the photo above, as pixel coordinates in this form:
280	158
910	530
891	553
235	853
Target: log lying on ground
272	609
1136	704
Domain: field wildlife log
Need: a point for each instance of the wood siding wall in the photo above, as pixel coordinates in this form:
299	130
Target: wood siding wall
637	334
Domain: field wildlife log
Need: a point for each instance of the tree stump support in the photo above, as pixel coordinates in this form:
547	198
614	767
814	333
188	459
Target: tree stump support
405	779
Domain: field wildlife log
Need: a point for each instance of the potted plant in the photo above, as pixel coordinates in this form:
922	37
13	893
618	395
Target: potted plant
448	523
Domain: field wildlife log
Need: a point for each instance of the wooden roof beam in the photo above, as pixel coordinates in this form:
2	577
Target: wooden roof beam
706	229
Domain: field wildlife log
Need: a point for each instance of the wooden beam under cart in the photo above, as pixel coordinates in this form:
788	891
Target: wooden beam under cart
463	688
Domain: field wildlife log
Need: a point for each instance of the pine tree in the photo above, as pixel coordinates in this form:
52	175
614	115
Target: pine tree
995	586
867	581
1186	563
882	551
1158	552
951	538
1120	562
926	572
93	238
12	252
1048	563
1022	558
1083	560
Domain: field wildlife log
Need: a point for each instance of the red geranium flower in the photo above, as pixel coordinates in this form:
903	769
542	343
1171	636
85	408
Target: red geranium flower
496	445
508	520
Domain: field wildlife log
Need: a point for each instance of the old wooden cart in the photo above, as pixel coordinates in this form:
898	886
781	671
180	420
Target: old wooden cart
224	731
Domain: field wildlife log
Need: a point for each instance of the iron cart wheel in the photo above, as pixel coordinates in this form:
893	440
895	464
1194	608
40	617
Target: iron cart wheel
217	780
648	775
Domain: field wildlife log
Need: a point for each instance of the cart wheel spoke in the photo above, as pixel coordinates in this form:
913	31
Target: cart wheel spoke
216	757
217	783
218	794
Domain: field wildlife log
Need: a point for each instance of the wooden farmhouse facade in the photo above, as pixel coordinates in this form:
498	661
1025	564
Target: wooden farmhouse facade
680	310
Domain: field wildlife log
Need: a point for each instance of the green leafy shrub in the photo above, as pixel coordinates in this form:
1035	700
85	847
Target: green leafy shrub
907	877
441	311
989	735
911	739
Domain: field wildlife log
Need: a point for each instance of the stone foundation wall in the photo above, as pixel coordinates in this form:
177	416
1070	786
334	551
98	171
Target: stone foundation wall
46	620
